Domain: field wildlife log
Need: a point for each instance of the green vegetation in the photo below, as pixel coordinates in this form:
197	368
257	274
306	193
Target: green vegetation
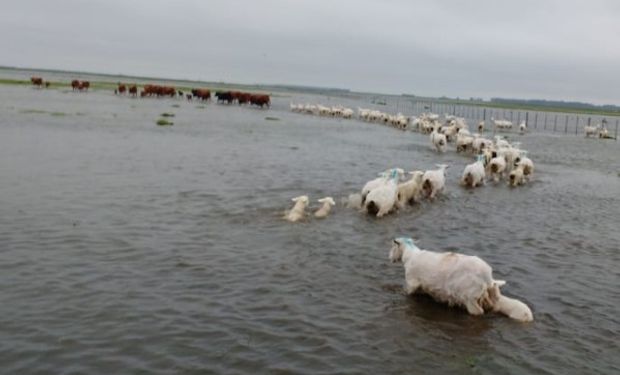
272	119
164	122
58	114
166	114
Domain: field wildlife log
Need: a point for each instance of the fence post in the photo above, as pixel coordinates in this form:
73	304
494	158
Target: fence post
519	117
536	120
566	124
576	124
589	118
616	132
527	115
555	122
484	114
545	126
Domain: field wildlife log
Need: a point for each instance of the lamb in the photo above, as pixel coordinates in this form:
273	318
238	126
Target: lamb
522	127
322	212
382	199
298	211
456	279
481	127
496	167
438	140
409	191
433	181
474	174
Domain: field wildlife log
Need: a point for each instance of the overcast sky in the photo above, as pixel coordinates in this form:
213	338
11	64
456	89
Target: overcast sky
523	48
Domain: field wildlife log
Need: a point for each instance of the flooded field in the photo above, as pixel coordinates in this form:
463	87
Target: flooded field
128	247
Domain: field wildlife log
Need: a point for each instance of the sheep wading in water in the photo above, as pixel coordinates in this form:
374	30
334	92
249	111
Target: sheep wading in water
456	279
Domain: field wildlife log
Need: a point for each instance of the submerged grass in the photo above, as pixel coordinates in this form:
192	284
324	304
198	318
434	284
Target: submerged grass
164	122
272	118
166	114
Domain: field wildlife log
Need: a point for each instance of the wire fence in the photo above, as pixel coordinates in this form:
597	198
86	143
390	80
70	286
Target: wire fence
539	121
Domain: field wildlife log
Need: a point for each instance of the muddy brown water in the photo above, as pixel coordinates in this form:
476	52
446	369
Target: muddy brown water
126	247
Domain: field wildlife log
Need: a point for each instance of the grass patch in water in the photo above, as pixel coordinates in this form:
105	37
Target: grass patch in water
166	114
80	114
176	105
58	114
272	118
164	122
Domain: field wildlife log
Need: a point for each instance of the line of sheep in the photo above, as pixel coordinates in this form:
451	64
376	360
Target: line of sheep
321	110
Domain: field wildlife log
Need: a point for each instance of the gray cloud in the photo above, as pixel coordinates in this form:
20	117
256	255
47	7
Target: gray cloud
529	49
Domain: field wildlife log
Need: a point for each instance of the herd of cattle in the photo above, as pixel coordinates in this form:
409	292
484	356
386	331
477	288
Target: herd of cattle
228	97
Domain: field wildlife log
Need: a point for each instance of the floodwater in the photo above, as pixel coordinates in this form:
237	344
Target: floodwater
131	248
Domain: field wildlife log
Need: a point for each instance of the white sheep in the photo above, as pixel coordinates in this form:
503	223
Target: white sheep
298	211
496	167
381	200
480	143
522	161
438	140
372	184
474	174
322	212
456	279
409	191
481	127
433	181
590	130
522	127
464	142
516	176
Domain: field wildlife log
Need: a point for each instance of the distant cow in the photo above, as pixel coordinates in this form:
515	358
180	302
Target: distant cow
75	84
244	98
224	96
260	100
121	88
37	81
84	85
133	90
189	96
181	93
202	94
47	84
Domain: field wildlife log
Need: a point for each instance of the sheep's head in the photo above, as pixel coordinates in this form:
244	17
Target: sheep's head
416	175
399	246
328	200
443	167
302	198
